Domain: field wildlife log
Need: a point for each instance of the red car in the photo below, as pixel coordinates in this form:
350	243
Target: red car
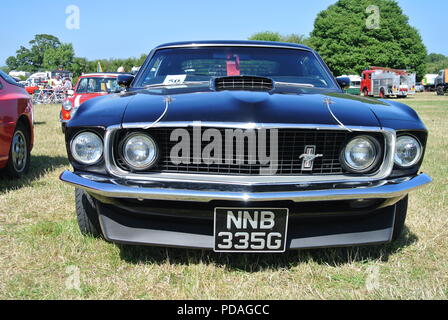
16	127
88	86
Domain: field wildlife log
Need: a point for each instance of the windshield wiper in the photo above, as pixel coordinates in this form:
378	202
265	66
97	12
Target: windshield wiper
185	83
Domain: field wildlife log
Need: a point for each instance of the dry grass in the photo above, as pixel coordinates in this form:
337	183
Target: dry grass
42	251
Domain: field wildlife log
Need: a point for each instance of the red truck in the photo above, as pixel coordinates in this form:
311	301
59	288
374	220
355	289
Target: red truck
385	82
89	86
16	127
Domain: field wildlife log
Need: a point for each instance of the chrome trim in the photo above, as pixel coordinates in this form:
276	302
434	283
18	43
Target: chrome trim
382	173
254	45
114	189
328	103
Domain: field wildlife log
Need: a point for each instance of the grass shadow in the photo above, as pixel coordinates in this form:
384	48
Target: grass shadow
40	165
261	262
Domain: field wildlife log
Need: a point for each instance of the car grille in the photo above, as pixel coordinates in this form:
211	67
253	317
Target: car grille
291	145
243	83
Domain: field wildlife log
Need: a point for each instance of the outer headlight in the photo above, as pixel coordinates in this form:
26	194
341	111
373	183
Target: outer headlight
360	154
67	105
87	147
408	151
139	151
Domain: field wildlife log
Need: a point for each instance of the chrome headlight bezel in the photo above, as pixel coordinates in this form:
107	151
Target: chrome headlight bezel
78	158
418	156
152	157
350	166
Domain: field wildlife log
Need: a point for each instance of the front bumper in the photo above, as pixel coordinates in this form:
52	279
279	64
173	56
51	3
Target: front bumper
181	215
116	188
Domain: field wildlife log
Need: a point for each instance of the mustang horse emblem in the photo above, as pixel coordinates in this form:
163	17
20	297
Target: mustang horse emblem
308	157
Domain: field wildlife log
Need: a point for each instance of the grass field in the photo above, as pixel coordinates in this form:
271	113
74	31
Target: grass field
44	256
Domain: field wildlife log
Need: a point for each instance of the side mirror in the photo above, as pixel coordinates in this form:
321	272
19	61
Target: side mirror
344	82
125	80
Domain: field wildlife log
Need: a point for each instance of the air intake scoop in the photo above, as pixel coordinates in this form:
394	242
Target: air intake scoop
244	83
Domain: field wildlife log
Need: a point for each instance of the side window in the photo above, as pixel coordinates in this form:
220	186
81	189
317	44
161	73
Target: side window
1	85
82	86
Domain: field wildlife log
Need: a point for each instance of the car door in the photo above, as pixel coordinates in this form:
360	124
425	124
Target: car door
8	118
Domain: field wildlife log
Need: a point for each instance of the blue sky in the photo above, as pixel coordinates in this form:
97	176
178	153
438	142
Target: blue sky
110	28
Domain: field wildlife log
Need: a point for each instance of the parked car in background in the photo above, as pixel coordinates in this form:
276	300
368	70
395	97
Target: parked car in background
242	146
89	86
441	82
16	127
419	87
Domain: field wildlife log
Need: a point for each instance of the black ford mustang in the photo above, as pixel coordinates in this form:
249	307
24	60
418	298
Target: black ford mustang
241	146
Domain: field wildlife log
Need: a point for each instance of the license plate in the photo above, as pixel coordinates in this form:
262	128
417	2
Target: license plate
250	229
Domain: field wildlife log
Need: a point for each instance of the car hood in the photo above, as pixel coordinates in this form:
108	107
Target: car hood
149	106
247	106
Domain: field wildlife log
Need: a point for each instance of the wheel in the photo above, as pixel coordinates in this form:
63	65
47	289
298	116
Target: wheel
19	153
365	92
86	214
440	91
401	210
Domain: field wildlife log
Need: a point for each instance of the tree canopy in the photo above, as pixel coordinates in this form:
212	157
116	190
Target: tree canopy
45	52
48	53
275	36
346	37
436	62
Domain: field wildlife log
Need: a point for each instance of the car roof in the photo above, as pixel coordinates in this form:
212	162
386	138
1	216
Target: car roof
248	43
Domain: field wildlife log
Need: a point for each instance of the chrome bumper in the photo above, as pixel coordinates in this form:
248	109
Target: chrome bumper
116	188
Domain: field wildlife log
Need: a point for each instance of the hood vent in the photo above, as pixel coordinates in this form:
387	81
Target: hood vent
244	83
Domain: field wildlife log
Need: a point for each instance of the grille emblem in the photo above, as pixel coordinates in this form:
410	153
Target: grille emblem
308	158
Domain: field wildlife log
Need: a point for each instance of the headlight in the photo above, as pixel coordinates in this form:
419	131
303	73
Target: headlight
139	151
67	105
87	147
360	154
408	151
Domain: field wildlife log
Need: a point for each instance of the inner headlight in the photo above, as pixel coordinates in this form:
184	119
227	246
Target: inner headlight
360	154
87	147
408	151
139	151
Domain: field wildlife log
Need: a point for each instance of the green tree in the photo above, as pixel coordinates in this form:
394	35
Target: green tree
277	37
436	62
344	37
33	59
59	57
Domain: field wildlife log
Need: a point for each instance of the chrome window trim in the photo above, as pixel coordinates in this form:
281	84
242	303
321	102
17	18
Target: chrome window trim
254	45
384	171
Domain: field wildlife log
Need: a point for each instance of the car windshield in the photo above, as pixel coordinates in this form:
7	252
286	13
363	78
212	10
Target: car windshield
97	85
190	65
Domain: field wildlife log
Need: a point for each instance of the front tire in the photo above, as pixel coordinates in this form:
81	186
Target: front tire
401	209
86	214
19	153
440	91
